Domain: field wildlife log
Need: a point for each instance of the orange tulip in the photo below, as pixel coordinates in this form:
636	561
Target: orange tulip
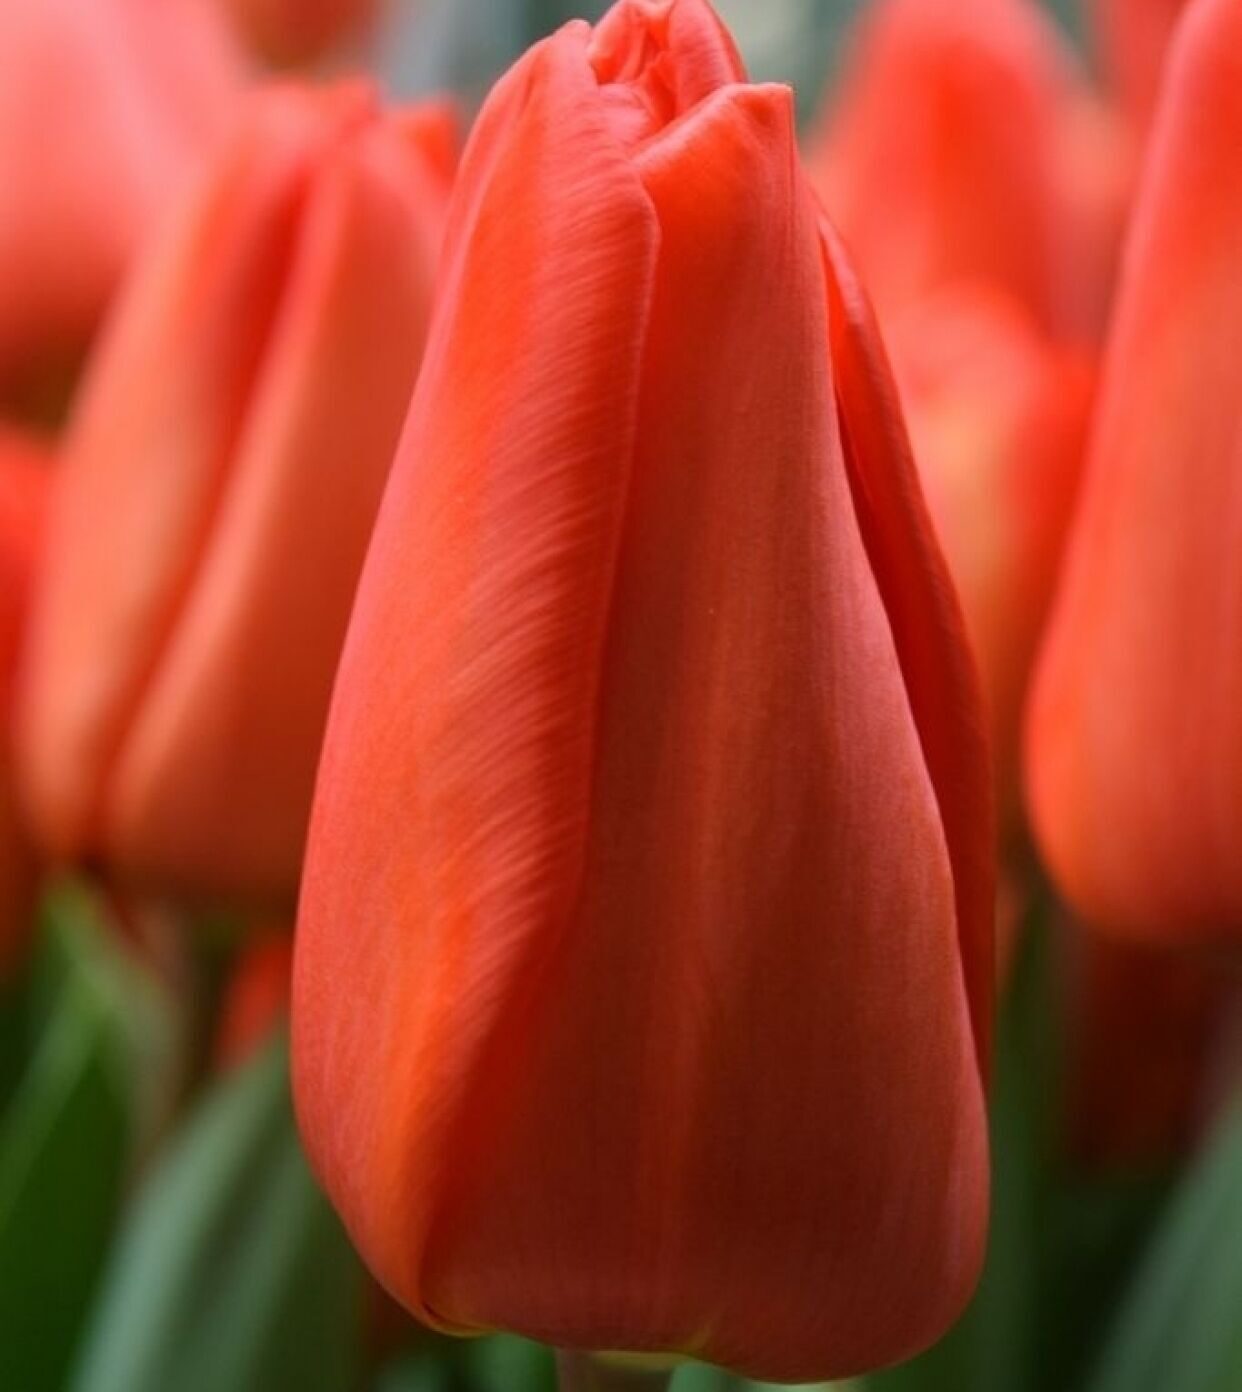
966	144
23	486
256	999
997	418
1131	38
642	977
297	31
104	106
220	482
1134	739
1145	1034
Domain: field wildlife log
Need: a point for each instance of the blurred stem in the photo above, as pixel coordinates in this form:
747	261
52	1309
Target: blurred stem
584	1372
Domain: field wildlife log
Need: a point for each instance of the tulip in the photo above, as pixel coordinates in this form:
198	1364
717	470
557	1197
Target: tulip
965	144
1131	39
1145	1032
1134	743
104	107
298	31
997	417
220	482
23	486
642	977
256	997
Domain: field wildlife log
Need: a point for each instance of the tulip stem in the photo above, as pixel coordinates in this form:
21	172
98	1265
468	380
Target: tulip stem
583	1372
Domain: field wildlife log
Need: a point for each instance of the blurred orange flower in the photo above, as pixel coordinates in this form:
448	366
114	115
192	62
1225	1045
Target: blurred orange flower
1132	38
24	477
220	480
297	31
105	106
997	417
965	143
643	973
1145	1034
1134	738
256	996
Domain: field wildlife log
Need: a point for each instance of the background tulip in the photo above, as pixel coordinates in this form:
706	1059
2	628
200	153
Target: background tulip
23	485
997	417
105	107
220	480
964	143
255	1002
1135	746
296	31
648	900
1148	1035
1131	38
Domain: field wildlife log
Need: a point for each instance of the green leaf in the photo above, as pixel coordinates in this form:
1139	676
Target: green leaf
86	1043
420	1372
232	1271
503	1363
1181	1327
63	1148
145	1026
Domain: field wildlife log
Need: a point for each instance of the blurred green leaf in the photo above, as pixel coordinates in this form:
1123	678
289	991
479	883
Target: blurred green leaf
1181	1328
698	1377
87	1041
146	1027
420	1372
63	1148
1095	1233
503	1363
232	1271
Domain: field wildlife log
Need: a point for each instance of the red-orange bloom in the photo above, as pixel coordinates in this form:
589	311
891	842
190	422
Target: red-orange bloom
643	966
1132	38
1147	1041
1134	739
296	31
23	488
966	144
104	106
220	481
256	999
997	418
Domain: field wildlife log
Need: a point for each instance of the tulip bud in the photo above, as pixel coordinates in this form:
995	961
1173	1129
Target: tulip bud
965	143
298	31
1134	748
997	418
23	486
642	977
104	106
1131	38
220	482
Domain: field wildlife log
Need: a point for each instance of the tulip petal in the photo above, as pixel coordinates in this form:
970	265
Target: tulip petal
928	628
456	775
